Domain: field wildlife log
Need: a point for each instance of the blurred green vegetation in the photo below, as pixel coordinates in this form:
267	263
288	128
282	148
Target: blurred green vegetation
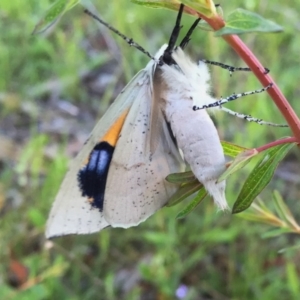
52	93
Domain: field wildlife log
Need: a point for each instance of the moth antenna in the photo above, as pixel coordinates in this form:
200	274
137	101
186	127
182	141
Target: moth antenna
232	97
187	37
176	30
250	118
167	56
229	68
129	41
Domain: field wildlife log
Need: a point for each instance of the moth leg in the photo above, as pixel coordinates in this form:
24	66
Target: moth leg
233	97
229	68
249	118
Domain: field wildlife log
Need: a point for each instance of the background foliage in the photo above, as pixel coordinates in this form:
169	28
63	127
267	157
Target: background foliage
53	88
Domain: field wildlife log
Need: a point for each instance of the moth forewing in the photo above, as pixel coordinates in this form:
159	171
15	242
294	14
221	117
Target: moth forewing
136	185
71	213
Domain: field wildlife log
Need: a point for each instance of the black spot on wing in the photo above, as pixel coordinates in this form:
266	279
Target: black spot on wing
92	177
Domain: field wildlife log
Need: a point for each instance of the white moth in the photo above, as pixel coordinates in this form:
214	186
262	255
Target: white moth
137	143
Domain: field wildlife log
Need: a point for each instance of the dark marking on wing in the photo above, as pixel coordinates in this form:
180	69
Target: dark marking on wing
92	177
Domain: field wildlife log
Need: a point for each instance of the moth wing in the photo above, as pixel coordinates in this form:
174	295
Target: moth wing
71	213
136	185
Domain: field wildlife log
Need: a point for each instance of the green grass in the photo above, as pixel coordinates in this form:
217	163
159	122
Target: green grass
216	255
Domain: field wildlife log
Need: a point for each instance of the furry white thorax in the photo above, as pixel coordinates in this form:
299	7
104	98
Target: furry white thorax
191	79
196	135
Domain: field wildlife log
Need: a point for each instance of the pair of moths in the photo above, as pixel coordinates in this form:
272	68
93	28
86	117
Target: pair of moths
118	178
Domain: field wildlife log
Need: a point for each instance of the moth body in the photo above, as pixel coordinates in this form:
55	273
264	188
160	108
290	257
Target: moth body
186	84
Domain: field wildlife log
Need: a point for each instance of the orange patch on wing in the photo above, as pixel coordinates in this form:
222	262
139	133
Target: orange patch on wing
112	134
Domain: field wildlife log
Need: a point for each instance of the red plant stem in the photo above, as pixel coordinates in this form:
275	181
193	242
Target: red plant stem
265	79
216	22
278	142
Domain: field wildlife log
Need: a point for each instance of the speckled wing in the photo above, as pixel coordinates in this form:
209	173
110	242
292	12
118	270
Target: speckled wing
136	186
72	213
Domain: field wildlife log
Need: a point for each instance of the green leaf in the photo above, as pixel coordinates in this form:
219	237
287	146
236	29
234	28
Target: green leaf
193	204
251	216
260	176
232	150
284	212
183	177
205	26
171	4
261	207
261	213
242	21
292	248
53	14
205	7
240	161
183	192
293	279
275	232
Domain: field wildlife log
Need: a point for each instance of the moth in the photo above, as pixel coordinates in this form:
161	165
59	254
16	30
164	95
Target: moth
150	131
